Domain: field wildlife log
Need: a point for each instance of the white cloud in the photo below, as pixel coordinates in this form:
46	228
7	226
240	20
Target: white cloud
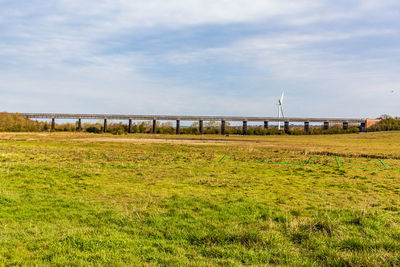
175	13
51	51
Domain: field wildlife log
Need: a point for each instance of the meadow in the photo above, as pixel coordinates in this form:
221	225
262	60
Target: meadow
84	199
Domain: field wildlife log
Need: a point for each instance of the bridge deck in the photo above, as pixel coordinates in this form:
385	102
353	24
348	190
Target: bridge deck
183	118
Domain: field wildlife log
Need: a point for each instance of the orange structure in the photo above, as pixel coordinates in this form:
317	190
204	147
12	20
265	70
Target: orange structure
371	122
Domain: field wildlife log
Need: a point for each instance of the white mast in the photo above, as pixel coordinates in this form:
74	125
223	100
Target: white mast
280	110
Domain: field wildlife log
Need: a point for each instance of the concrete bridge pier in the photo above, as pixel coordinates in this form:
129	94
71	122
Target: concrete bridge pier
222	127
307	127
363	127
105	125
326	125
201	126
154	130
287	130
266	125
130	126
53	124
178	127
244	127
80	124
345	125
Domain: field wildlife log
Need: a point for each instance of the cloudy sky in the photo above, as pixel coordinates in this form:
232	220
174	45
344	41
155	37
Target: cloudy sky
206	57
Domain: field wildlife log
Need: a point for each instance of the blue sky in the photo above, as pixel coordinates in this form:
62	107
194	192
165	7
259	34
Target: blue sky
206	57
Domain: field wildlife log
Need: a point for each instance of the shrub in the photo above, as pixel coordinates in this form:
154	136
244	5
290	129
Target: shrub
386	124
13	122
92	129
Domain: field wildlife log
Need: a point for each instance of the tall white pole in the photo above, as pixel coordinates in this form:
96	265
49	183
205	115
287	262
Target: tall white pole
280	110
279	117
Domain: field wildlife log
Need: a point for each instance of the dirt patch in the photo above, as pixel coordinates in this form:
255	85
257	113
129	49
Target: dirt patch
201	142
163	141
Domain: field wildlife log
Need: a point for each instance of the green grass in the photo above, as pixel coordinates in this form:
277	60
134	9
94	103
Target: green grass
75	199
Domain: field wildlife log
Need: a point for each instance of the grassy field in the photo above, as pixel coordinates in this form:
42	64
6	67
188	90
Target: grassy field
85	199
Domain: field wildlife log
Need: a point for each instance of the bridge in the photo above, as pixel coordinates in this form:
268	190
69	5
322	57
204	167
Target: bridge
223	119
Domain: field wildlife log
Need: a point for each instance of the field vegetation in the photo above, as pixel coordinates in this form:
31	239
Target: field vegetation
86	199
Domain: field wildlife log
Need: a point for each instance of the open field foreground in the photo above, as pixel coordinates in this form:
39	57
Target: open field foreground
86	199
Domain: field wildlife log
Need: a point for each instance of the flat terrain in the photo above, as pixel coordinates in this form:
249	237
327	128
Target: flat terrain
89	199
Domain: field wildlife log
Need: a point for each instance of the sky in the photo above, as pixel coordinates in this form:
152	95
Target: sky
201	57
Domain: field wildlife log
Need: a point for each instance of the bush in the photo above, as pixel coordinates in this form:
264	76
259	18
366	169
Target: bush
166	130
92	129
117	128
386	124
13	122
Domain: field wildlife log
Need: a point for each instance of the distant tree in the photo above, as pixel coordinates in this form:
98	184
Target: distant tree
385	116
167	125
